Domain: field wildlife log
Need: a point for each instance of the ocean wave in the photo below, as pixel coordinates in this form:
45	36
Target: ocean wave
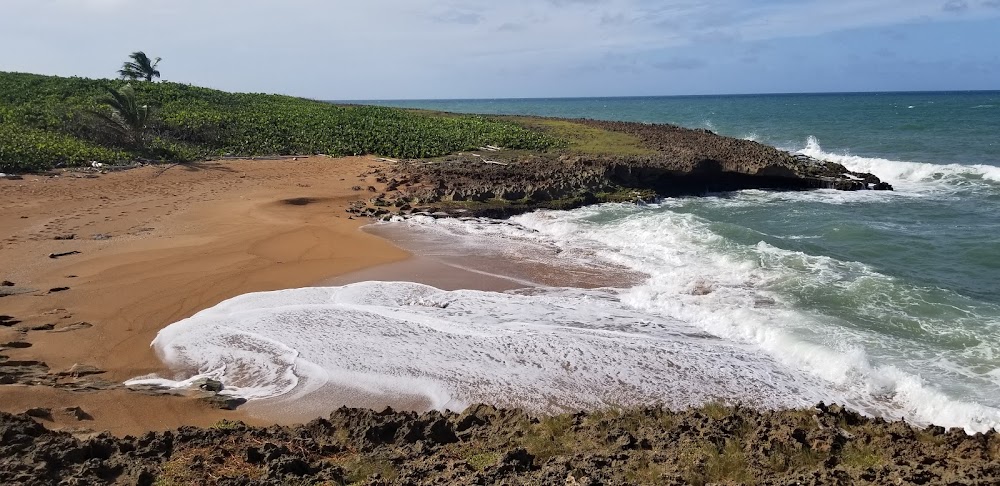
911	174
715	319
753	294
545	350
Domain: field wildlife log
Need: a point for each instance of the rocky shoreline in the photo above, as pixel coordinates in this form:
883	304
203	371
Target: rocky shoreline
679	162
485	445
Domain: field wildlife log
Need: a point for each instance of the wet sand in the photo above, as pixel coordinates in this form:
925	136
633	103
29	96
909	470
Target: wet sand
443	263
157	245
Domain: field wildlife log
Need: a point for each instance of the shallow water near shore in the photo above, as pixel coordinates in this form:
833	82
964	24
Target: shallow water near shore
888	302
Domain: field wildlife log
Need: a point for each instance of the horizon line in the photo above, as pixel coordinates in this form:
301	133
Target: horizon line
803	93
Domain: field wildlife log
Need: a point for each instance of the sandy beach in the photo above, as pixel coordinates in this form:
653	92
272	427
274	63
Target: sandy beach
156	245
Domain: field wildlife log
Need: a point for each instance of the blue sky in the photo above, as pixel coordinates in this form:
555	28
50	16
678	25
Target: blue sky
403	49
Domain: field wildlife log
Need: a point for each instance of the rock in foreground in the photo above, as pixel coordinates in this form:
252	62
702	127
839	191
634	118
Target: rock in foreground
484	445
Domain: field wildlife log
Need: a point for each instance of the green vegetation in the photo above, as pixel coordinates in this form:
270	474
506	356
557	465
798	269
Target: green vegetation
187	467
860	456
127	120
483	460
140	67
24	149
226	424
49	122
359	469
583	139
726	464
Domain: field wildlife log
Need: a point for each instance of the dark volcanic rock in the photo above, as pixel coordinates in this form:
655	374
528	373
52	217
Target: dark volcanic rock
702	154
16	345
39	413
683	162
78	413
714	444
66	253
210	385
224	402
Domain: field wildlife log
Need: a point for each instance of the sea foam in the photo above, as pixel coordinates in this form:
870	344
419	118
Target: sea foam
751	294
910	175
713	320
540	349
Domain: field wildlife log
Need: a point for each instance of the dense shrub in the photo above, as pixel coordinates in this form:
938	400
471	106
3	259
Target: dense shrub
25	149
191	122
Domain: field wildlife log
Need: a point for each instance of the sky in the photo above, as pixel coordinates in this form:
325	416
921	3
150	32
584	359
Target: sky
447	49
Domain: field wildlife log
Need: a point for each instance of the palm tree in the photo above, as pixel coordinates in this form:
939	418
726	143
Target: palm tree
125	119
140	67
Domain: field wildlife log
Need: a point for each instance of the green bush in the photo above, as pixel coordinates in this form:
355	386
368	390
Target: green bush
190	122
25	149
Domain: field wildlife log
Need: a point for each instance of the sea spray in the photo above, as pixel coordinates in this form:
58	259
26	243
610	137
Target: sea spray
911	175
864	341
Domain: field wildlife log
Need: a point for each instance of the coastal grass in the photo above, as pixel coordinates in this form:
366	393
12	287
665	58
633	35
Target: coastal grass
48	121
226	424
188	467
860	456
482	460
586	140
360	469
718	464
712	444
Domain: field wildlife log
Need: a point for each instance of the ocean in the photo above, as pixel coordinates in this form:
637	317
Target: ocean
888	302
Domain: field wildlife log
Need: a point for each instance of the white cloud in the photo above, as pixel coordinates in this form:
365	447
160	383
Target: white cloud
286	45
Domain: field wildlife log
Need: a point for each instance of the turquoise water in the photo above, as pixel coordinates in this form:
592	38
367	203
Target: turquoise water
903	288
924	127
941	149
888	302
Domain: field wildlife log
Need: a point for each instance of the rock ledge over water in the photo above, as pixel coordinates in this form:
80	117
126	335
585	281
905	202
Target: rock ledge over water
674	161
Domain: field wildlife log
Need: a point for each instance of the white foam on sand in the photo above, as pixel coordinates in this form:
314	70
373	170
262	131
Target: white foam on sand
540	349
710	322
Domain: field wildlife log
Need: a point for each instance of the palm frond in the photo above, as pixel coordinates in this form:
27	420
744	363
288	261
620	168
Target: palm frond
140	67
125	118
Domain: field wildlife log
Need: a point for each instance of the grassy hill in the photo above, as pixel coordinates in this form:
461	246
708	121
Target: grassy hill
48	121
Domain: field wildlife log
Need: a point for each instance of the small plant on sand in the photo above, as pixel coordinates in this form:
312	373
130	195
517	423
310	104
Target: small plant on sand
226	424
140	67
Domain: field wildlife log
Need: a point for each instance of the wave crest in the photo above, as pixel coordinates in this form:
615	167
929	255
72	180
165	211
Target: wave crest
903	172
